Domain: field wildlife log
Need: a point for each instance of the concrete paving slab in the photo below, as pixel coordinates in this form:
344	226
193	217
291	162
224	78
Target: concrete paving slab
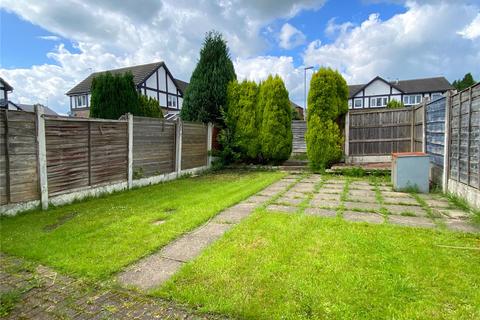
454	213
362	206
289	201
402	210
189	246
321	212
385	189
420	222
437	203
233	215
361	193
332	186
363	217
394	194
325	203
149	272
362	199
269	193
326	197
281	208
294	194
461	225
402	200
257	199
361	187
330	191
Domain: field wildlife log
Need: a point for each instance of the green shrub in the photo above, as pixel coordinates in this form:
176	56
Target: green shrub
275	131
327	102
395	104
244	117
149	107
324	143
113	96
206	94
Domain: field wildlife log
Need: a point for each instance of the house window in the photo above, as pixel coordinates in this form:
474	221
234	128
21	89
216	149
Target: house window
80	101
378	102
172	101
358	103
412	99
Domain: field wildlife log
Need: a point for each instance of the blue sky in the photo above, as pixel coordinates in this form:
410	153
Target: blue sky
47	47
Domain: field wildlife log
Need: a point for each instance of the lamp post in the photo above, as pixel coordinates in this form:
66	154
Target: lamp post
305	86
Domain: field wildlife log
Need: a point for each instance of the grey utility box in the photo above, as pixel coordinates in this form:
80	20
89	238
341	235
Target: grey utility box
411	170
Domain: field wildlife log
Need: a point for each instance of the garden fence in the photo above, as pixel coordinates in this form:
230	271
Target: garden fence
57	159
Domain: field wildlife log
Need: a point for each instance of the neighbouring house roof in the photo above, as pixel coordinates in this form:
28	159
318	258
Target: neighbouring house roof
31	108
140	74
5	85
434	84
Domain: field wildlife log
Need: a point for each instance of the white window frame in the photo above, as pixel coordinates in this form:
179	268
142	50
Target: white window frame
81	101
355	103
412	99
374	102
171	101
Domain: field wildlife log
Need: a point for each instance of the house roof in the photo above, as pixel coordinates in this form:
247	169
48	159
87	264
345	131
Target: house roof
6	85
294	105
409	86
140	74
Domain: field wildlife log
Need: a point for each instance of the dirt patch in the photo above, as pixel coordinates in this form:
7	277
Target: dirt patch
62	220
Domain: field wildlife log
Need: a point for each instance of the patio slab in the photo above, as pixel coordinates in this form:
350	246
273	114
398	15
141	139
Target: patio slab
362	193
363	217
149	272
454	213
399	209
289	201
257	199
325	203
234	214
420	222
321	212
461	225
395	194
401	200
281	208
326	197
437	203
362	206
362	199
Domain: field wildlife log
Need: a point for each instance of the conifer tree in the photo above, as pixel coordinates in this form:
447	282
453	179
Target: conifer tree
206	94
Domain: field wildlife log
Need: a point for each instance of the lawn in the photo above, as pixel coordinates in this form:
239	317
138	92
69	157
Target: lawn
98	237
280	266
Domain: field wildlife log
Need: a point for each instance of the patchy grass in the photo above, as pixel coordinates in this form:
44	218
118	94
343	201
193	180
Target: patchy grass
8	300
106	234
277	266
461	203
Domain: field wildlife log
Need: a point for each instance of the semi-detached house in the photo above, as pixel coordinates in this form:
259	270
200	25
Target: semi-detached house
378	92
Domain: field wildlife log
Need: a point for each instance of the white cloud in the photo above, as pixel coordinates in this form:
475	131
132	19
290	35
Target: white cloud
119	33
49	38
290	37
472	31
421	42
258	69
333	28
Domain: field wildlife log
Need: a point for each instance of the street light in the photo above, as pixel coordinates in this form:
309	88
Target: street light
305	86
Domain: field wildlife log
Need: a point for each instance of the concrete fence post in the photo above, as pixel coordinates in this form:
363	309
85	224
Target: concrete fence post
42	155
446	143
178	146
209	143
347	136
130	150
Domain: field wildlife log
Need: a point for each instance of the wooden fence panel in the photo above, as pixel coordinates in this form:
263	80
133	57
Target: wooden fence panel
435	112
380	132
465	137
299	129
418	128
153	146
194	145
18	160
67	155
108	152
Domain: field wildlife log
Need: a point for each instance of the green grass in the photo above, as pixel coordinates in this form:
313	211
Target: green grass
101	236
277	266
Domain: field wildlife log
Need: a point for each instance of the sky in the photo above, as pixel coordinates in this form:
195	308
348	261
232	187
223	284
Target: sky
46	47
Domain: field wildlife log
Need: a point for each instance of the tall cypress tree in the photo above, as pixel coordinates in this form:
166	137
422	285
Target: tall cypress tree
206	95
327	102
276	127
113	96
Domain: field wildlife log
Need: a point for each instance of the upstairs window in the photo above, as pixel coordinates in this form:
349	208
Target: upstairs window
172	101
378	102
412	99
80	101
358	103
436	96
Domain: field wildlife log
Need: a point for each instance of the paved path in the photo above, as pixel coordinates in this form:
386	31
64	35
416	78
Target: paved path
360	201
157	268
37	292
